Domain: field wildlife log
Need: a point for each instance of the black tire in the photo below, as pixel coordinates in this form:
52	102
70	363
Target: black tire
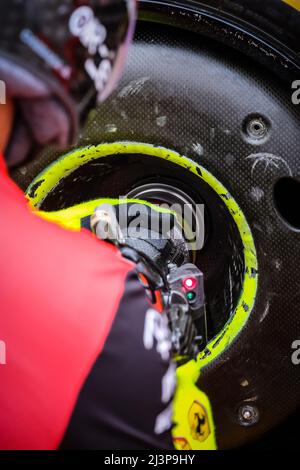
278	19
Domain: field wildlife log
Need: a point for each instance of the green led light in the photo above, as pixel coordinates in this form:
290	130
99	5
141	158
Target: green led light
191	296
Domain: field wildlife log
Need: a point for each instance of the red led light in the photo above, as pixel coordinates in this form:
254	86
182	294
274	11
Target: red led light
190	283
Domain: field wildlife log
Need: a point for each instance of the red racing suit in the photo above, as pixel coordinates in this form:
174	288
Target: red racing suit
87	362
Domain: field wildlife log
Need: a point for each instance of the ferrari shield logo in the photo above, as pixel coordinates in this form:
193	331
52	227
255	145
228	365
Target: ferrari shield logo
198	421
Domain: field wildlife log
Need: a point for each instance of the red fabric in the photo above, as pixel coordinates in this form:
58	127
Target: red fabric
59	292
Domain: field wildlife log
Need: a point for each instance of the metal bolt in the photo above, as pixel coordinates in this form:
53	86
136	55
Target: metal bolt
248	415
257	127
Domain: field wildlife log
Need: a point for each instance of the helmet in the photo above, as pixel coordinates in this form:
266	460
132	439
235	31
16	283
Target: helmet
76	47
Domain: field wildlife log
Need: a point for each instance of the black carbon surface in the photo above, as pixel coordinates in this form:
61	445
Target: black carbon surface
189	94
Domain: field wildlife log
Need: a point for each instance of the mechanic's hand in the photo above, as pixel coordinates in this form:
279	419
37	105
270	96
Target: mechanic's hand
146	228
41	117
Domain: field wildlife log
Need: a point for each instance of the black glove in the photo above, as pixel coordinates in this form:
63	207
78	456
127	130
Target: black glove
151	232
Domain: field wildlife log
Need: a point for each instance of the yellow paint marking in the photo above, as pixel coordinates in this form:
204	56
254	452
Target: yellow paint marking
293	3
